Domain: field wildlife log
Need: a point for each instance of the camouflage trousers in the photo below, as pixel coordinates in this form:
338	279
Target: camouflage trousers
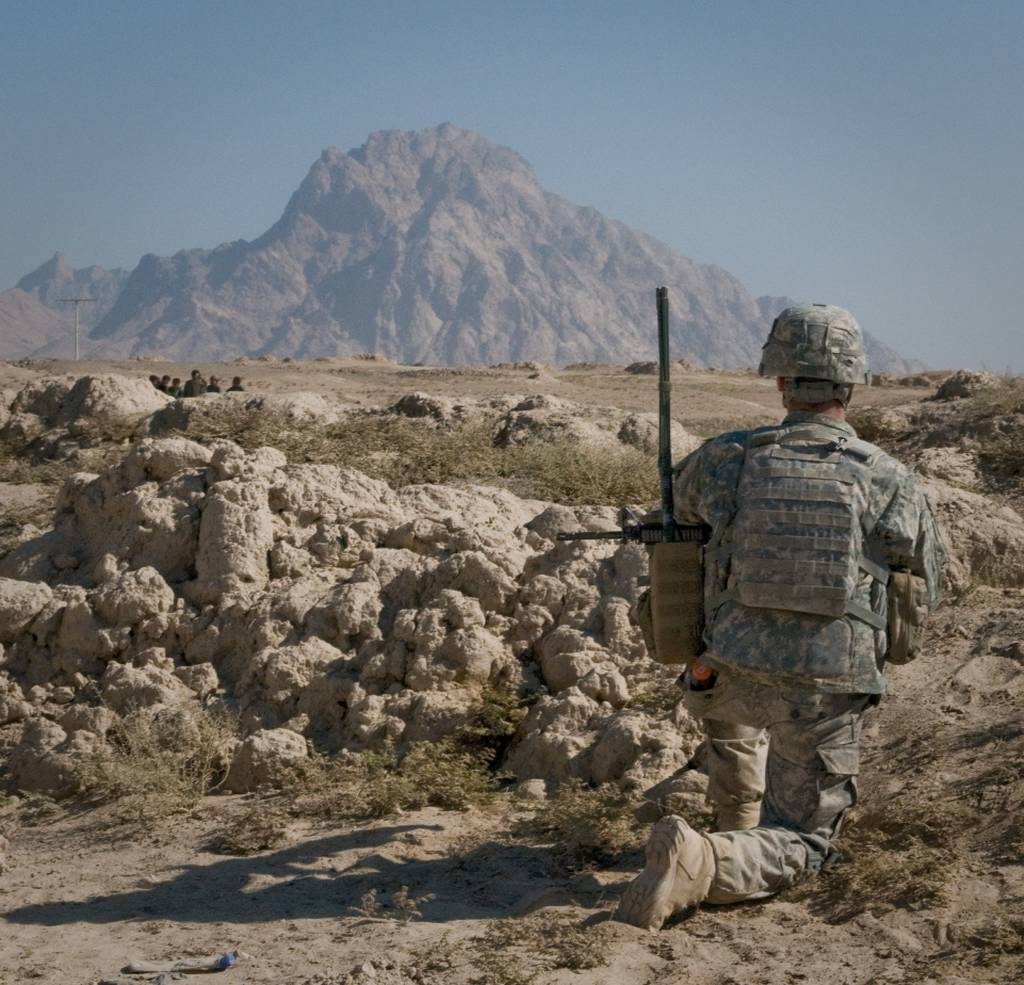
806	770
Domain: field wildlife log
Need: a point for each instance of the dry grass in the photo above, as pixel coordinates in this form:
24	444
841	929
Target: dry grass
261	826
590	824
18	467
157	765
406	452
380	783
515	951
894	857
997	401
657	693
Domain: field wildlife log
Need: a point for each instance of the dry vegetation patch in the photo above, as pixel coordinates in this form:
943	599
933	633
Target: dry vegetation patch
894	856
406	452
589	824
155	764
378	783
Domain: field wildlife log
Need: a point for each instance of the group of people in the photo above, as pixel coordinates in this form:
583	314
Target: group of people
194	386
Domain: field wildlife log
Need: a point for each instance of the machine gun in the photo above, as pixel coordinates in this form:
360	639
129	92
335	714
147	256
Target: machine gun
677	550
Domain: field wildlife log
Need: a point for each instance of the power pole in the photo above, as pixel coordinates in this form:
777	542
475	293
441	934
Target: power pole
77	302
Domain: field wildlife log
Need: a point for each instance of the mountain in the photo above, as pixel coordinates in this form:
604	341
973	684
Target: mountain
34	321
435	245
27	325
57	279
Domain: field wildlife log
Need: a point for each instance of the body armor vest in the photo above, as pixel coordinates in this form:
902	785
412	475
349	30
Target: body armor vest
800	538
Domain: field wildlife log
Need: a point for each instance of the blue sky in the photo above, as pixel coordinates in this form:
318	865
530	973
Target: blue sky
868	154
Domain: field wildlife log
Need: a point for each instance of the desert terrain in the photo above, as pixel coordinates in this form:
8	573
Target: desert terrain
302	672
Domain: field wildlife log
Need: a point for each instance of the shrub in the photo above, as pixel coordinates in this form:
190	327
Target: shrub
261	826
591	824
376	784
158	763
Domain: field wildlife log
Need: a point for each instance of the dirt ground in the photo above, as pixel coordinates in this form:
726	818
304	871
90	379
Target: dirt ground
931	891
703	402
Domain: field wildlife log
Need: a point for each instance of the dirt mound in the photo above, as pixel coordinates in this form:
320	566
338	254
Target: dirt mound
965	383
317	600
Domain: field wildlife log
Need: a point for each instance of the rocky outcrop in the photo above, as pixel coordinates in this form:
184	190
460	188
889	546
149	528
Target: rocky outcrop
321	606
965	383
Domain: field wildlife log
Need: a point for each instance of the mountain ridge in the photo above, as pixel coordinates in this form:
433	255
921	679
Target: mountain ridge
436	245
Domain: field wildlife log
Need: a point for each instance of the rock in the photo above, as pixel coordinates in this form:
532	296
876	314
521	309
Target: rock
158	461
986	541
108	398
640	431
682	793
296	406
94	719
42	761
43	398
126	689
965	383
644	368
422	405
952	465
235	536
13	709
264	758
230	461
200	678
20	603
133	598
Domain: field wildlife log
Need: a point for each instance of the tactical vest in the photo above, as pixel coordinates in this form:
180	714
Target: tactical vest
800	537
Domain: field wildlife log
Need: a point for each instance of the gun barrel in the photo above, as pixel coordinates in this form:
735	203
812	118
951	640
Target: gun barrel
596	535
664	414
645	534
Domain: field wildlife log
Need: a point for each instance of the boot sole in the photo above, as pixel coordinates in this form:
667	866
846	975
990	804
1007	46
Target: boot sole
646	903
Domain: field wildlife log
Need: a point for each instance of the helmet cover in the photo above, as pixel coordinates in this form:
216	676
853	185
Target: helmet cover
816	342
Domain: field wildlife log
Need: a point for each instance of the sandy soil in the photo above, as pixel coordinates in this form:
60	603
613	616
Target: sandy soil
932	890
703	402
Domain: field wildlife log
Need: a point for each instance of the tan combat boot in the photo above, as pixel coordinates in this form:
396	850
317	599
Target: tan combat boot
680	867
738	817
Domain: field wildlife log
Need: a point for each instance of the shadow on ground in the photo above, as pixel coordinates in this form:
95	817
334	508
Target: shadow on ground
299	882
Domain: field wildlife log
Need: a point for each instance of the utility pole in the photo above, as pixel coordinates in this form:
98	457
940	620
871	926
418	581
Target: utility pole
77	302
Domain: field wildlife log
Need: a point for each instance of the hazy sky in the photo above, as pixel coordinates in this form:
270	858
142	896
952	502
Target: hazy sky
868	154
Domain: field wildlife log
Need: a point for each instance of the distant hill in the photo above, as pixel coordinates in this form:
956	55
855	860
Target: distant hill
435	245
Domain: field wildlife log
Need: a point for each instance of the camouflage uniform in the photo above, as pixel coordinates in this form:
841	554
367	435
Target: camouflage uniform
803	678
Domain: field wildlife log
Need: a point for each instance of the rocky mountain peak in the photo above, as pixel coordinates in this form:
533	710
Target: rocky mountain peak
435	245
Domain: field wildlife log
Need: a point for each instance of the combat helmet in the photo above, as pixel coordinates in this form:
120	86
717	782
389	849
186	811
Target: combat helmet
819	350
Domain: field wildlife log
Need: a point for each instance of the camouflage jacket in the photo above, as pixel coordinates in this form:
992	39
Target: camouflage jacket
830	654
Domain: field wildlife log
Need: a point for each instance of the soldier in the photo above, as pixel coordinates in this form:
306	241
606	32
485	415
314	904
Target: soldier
196	385
812	531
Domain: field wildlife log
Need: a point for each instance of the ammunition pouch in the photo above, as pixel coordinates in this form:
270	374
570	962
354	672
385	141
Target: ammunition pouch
676	603
908	615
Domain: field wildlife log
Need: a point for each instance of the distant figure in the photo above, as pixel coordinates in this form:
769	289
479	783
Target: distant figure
236	385
214	385
175	389
196	385
155	380
165	384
